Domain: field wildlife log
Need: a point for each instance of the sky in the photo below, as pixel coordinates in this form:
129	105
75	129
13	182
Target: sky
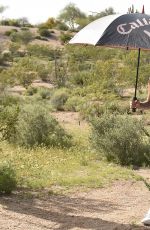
38	11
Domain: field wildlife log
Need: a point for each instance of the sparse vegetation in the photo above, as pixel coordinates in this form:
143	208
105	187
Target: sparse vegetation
85	81
8	181
23	37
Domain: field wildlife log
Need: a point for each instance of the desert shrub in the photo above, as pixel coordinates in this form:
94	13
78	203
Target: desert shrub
23	37
5	22
96	109
14	22
44	71
65	37
14	47
35	126
8	120
59	99
45	93
24	28
38	37
10	22
6	55
41	38
25	70
92	109
116	108
7	179
44	32
2	61
42	26
122	139
8	100
9	32
26	78
74	103
43	51
31	91
81	78
62	26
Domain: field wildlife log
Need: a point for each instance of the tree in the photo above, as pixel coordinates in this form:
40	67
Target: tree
70	14
107	11
23	21
50	23
82	22
2	8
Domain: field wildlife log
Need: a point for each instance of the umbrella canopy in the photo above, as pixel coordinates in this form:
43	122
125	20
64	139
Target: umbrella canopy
128	31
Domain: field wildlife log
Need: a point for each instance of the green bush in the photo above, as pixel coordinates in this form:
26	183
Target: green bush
45	93
92	109
31	91
8	120
44	32
7	179
41	38
43	51
96	109
59	99
74	103
35	126
81	78
23	37
8	100
24	28
9	32
62	26
121	139
5	22
65	37
115	108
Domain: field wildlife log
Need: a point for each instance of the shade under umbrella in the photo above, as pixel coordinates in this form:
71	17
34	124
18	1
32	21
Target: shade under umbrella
130	31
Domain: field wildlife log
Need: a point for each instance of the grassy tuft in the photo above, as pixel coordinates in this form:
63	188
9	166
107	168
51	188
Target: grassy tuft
44	168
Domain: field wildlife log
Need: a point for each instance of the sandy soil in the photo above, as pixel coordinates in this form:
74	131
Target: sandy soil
72	118
18	89
53	41
121	206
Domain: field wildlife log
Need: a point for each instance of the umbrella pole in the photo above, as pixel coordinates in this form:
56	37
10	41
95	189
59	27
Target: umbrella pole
137	76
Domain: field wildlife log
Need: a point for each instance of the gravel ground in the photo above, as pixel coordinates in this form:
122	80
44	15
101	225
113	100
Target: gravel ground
122	206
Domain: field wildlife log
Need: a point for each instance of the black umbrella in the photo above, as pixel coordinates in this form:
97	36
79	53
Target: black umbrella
130	31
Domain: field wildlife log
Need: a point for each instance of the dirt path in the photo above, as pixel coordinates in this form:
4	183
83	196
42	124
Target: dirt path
121	206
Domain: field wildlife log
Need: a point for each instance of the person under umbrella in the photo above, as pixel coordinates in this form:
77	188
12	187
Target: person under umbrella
137	104
129	31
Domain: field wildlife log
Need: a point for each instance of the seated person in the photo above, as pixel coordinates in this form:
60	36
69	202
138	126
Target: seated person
142	105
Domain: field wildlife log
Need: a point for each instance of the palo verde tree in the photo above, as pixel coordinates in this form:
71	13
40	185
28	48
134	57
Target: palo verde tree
70	14
95	15
107	11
